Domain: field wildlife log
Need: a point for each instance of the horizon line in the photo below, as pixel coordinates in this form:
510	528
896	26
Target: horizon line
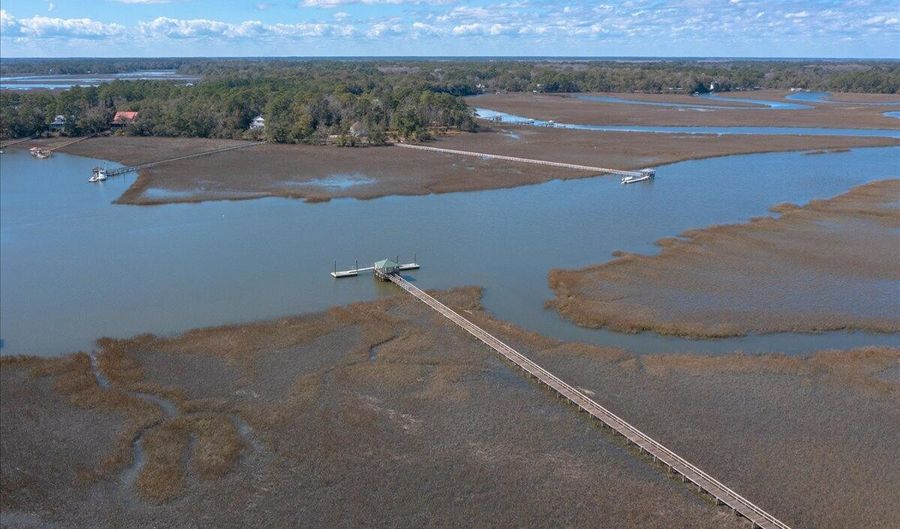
425	56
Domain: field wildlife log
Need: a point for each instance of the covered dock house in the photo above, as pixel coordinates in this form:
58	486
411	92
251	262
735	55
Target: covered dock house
386	268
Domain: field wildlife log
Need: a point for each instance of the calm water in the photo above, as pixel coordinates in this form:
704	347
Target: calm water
75	267
487	113
767	103
644	102
825	97
32	82
761	104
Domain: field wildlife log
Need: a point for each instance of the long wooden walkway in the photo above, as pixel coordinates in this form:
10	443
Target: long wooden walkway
621	172
689	473
73	142
14	142
127	169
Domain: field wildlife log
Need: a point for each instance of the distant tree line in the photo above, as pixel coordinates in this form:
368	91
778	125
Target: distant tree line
305	103
307	100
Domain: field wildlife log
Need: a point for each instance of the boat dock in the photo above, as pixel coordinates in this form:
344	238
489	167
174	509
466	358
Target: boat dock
128	169
338	274
621	172
689	473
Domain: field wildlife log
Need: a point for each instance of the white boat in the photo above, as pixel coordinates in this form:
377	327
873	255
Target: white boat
643	175
40	154
99	175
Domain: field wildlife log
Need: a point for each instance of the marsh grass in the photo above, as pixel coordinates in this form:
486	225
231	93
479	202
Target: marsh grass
439	431
815	268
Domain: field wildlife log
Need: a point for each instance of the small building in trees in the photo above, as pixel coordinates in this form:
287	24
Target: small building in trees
59	123
258	123
358	130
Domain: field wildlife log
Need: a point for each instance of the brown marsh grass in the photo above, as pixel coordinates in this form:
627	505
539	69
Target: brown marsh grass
829	265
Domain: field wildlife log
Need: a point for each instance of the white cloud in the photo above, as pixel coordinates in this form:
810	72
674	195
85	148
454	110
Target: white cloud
382	29
420	29
879	20
50	6
174	28
506	24
7	21
338	3
41	27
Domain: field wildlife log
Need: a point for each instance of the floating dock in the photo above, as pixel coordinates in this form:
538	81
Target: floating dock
338	274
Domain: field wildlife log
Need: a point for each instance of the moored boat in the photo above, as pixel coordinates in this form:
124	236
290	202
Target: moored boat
643	175
99	175
40	154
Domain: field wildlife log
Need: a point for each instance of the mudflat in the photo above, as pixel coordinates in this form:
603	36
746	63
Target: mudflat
829	265
317	173
841	112
384	414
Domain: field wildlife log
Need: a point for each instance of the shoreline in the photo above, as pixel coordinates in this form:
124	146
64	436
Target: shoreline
768	275
569	108
322	173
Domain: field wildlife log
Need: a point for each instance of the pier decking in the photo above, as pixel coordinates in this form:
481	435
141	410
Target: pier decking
688	472
127	169
72	142
337	274
622	172
15	142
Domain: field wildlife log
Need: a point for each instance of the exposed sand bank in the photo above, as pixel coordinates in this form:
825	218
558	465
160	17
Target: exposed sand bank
384	414
829	265
570	109
317	173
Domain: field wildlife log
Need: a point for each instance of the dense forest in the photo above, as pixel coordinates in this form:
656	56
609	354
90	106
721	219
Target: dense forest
306	100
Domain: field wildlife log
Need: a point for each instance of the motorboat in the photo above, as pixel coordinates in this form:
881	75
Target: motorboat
99	175
40	154
643	175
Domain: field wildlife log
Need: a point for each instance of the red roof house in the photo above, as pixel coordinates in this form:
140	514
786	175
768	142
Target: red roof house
124	118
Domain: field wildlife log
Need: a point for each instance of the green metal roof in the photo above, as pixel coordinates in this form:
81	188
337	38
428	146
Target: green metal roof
385	263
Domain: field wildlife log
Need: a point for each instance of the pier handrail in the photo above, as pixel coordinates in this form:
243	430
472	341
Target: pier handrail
722	493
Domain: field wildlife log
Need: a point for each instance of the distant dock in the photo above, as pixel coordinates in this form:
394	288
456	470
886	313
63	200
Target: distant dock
338	274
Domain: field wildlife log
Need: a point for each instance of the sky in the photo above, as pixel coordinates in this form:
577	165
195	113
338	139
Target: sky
679	28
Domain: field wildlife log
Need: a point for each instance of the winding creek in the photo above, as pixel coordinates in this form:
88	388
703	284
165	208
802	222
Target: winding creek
76	267
514	119
793	101
169	410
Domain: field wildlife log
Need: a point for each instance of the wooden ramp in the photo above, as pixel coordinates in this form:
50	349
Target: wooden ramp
689	473
564	165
